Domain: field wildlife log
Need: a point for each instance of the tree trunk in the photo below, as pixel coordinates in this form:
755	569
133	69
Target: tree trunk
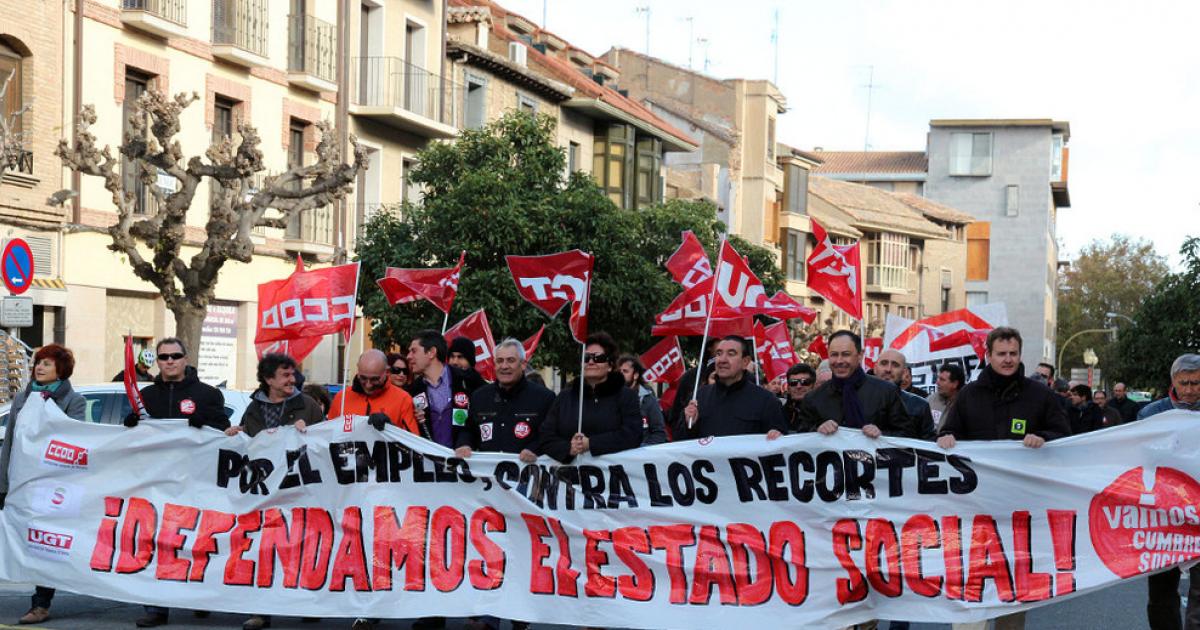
188	319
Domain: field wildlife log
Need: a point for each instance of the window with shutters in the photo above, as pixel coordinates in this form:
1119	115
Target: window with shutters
978	250
136	84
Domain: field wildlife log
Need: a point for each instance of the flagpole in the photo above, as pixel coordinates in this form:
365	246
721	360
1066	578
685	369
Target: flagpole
346	352
445	320
757	365
582	367
712	296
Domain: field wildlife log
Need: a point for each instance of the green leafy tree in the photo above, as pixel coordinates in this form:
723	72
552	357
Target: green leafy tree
501	190
1112	276
1166	325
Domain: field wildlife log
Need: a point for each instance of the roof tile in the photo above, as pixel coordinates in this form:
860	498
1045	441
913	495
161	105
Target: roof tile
913	162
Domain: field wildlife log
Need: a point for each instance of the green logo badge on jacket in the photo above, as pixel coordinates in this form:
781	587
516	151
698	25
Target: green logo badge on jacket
459	417
1018	426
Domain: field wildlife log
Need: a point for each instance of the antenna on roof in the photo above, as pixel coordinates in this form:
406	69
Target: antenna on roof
703	41
871	87
646	10
775	46
691	38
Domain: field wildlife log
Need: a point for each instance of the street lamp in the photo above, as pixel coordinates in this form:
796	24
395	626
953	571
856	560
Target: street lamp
1063	349
1124	317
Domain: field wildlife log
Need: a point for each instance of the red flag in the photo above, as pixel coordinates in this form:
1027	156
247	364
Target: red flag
835	272
439	285
689	264
307	304
686	316
475	327
531	343
663	362
784	306
872	346
298	349
775	352
131	388
818	347
977	339
739	291
550	282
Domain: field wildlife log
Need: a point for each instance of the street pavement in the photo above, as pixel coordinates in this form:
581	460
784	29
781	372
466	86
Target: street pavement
1121	606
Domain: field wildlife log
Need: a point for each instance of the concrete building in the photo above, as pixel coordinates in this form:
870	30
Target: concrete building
736	166
504	60
374	69
1011	175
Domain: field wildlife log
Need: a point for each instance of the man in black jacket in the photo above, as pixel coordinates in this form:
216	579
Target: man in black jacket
874	406
733	405
441	393
1002	404
178	393
891	366
505	416
1122	403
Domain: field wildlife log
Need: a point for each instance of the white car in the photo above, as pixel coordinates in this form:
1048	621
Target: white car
107	404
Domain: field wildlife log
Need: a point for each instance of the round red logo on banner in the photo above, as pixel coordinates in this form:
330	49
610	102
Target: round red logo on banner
187	405
1146	520
521	430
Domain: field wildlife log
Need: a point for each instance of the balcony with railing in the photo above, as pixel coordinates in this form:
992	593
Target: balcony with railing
311	231
164	18
312	53
402	95
239	33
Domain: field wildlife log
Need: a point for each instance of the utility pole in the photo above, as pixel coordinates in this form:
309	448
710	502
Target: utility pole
775	46
646	10
870	89
703	41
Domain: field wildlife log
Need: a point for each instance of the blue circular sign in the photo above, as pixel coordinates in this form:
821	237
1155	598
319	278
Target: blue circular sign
17	265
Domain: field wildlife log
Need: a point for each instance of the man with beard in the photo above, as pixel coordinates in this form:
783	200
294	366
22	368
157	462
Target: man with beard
892	366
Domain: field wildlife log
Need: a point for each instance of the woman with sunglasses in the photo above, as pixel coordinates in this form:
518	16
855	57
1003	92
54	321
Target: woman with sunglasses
398	369
612	420
52	369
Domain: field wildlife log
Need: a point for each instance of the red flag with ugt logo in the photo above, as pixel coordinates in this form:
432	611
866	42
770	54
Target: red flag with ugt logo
738	290
552	281
835	272
307	304
687	314
439	285
131	384
663	362
774	349
689	264
476	328
784	306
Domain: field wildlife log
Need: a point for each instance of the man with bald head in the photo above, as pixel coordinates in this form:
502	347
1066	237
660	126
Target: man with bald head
891	366
372	394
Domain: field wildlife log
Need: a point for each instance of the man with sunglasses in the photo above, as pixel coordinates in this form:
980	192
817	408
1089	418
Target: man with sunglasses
372	394
178	393
801	378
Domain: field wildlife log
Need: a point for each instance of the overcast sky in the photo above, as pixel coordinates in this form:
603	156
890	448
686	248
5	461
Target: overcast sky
1126	76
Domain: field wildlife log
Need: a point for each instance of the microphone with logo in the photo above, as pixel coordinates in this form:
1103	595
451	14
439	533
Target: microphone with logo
420	404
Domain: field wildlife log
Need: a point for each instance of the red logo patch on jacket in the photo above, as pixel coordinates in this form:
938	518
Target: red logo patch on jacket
521	430
460	400
187	405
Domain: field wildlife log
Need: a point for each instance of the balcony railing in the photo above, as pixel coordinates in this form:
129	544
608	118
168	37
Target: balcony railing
393	83
241	24
312	47
312	226
170	10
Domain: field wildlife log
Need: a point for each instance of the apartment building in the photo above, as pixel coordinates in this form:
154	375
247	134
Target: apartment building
374	69
31	49
1011	174
736	166
505	60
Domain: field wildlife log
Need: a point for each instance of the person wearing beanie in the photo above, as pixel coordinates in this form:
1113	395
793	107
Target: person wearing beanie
462	354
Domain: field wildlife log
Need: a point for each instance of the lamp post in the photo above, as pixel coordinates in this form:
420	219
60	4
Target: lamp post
1090	360
1072	338
1124	317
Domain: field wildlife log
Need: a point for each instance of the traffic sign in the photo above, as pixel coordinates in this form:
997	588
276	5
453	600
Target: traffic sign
16	312
17	265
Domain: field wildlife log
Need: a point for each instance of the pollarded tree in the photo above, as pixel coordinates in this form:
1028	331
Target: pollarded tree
237	204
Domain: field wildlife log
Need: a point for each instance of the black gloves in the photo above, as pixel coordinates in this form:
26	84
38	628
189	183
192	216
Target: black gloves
378	420
131	420
196	423
2	496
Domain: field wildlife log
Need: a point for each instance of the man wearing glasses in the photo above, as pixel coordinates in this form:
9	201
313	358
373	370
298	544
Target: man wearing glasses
800	380
372	394
178	393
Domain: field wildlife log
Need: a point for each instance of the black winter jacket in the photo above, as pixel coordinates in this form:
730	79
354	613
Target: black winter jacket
881	407
298	407
1085	419
198	403
741	408
463	382
506	420
612	419
991	409
919	411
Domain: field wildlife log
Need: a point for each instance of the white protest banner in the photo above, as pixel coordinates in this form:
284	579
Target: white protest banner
823	531
911	338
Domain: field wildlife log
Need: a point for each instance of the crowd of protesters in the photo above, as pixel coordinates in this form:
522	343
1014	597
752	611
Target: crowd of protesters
433	390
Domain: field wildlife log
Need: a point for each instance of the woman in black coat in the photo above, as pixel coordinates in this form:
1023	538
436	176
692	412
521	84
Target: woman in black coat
612	419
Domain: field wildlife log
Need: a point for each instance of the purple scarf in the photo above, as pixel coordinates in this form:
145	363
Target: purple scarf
852	411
